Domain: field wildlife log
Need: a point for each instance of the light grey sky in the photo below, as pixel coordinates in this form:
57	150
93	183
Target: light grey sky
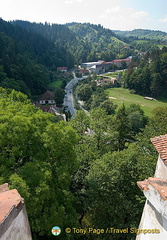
113	14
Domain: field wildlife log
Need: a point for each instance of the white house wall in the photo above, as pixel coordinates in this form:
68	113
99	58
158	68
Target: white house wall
161	169
19	227
152	219
155	210
47	102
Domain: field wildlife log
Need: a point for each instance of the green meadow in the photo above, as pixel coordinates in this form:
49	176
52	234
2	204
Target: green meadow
122	96
55	84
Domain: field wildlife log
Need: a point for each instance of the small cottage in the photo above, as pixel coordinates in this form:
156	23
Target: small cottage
47	98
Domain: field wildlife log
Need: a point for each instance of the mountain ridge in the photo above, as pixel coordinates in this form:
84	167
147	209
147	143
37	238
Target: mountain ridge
142	33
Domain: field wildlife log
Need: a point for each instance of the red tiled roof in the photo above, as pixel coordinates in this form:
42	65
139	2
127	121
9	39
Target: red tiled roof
4	187
160	143
8	199
61	68
47	96
120	60
46	108
159	184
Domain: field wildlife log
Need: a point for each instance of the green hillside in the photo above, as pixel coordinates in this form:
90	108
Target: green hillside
122	96
104	43
95	33
143	34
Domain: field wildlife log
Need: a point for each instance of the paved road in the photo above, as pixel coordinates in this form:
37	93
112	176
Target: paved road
68	100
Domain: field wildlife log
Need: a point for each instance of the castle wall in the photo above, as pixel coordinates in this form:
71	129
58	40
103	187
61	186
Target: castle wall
16	226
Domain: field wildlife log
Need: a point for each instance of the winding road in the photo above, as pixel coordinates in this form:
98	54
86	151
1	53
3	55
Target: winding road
68	99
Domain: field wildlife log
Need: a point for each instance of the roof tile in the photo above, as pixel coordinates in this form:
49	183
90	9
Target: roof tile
160	143
8	199
159	184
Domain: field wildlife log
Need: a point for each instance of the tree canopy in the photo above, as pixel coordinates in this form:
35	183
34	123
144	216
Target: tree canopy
38	158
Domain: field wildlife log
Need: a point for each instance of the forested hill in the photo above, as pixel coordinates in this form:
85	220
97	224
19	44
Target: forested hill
27	58
108	45
143	34
85	42
63	37
94	33
104	43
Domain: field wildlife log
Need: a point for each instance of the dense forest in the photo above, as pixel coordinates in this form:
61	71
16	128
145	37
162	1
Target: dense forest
139	34
81	173
150	77
28	60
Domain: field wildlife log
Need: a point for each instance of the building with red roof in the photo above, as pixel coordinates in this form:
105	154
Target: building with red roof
154	217
62	69
14	223
47	98
119	62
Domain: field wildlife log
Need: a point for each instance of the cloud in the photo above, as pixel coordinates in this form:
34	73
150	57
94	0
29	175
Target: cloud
139	15
69	1
163	20
73	1
119	17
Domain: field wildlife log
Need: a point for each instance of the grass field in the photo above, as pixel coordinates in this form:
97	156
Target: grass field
55	84
114	74
123	96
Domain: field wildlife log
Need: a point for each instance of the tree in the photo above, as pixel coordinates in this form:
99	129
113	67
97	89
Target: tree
80	122
137	119
59	96
38	158
145	80
84	92
156	86
122	127
108	106
98	125
112	190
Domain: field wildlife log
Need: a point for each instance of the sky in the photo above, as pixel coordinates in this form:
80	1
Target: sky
112	14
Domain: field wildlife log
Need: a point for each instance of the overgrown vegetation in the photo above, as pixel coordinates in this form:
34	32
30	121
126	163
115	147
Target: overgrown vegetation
81	173
150	76
74	173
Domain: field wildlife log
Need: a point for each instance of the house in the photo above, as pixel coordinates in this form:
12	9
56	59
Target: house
47	98
97	67
13	216
83	71
47	104
62	69
53	109
119	62
105	81
154	217
88	65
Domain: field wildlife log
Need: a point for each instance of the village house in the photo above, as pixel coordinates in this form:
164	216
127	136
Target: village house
83	71
53	109
106	80
154	217
62	69
119	62
47	104
47	98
